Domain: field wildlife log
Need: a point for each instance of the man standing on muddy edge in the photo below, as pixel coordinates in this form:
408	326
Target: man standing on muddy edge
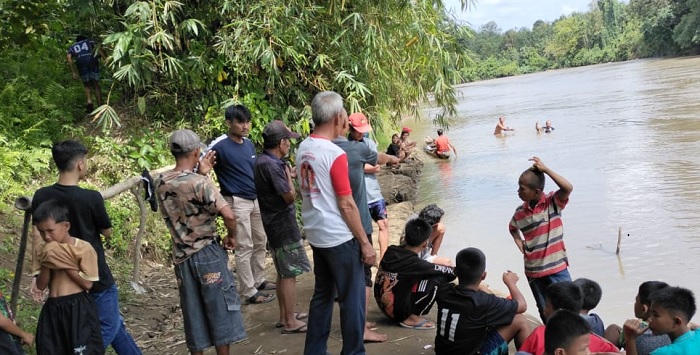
189	204
333	228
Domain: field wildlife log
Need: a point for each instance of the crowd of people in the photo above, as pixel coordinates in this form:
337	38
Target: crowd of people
335	174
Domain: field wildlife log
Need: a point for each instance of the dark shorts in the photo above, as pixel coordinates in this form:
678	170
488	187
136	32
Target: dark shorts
291	260
210	305
378	210
68	325
494	344
86	78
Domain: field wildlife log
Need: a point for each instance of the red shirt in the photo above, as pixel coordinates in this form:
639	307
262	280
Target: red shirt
534	344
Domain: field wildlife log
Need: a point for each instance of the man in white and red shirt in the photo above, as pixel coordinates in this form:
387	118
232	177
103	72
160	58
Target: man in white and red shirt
539	221
333	228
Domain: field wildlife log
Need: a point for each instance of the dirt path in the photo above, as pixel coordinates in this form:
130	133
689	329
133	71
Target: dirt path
155	319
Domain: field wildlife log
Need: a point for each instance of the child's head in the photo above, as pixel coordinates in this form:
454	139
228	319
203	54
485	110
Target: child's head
51	219
530	185
69	155
417	232
562	295
671	310
431	214
591	293
642	303
470	266
567	333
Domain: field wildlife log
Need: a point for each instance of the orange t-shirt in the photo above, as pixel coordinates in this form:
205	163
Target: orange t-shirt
441	144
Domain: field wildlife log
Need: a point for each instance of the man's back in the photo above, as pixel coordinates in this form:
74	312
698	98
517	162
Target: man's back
465	317
323	223
88	217
189	205
358	155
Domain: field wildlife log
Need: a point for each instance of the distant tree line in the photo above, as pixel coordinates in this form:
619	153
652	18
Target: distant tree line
610	31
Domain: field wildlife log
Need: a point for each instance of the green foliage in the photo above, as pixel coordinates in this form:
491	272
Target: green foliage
125	223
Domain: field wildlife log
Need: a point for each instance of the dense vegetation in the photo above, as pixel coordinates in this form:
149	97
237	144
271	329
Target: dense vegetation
610	31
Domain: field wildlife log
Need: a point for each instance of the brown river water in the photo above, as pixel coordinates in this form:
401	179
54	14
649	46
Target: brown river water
627	136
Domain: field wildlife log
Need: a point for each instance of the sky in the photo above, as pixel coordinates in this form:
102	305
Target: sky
515	13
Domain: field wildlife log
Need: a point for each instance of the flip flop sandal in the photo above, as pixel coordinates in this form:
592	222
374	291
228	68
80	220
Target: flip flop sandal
297	315
420	326
267	286
260	297
301	329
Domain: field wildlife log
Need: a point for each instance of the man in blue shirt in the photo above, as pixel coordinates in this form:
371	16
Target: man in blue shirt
235	159
83	54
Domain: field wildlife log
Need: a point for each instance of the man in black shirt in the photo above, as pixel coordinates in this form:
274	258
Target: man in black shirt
471	320
88	219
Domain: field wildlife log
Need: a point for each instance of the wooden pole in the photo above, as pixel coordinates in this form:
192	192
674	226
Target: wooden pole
619	240
23	203
139	235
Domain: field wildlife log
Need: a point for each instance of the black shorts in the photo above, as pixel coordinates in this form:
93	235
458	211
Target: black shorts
69	325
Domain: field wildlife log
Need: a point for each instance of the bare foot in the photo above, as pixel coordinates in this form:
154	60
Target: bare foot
370	325
373	337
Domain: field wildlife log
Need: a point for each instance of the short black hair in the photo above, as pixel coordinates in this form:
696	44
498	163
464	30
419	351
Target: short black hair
647	288
592	293
80	37
416	232
535	178
565	295
563	328
51	209
470	264
431	214
678	300
440	132
239	113
67	153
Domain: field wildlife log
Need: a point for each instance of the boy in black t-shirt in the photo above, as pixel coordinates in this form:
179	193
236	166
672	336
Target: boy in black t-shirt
471	320
406	285
88	221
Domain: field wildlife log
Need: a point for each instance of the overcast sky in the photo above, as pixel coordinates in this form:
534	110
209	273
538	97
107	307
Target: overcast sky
515	13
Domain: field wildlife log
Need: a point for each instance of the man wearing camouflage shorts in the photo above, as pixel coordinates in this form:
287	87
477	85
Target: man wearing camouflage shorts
189	204
276	194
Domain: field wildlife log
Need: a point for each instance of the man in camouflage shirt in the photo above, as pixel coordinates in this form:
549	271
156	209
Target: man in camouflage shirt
189	204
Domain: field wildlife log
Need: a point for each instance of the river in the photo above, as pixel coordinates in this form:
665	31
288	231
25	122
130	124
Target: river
627	137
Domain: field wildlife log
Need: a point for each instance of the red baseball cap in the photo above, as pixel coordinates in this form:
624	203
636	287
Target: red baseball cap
406	129
359	122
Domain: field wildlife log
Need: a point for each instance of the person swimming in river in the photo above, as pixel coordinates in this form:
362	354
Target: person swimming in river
546	129
501	126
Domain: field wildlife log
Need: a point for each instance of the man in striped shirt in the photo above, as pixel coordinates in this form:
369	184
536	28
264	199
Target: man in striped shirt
537	229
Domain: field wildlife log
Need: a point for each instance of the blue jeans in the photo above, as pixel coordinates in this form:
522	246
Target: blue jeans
112	325
538	286
337	269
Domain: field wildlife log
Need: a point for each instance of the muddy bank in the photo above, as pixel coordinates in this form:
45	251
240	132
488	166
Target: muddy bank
155	318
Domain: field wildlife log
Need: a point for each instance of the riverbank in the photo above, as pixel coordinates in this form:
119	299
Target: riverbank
155	319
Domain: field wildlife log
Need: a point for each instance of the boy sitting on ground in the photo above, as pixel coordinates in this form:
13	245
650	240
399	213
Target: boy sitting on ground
645	342
68	322
671	311
563	295
406	285
470	320
591	297
566	334
433	215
